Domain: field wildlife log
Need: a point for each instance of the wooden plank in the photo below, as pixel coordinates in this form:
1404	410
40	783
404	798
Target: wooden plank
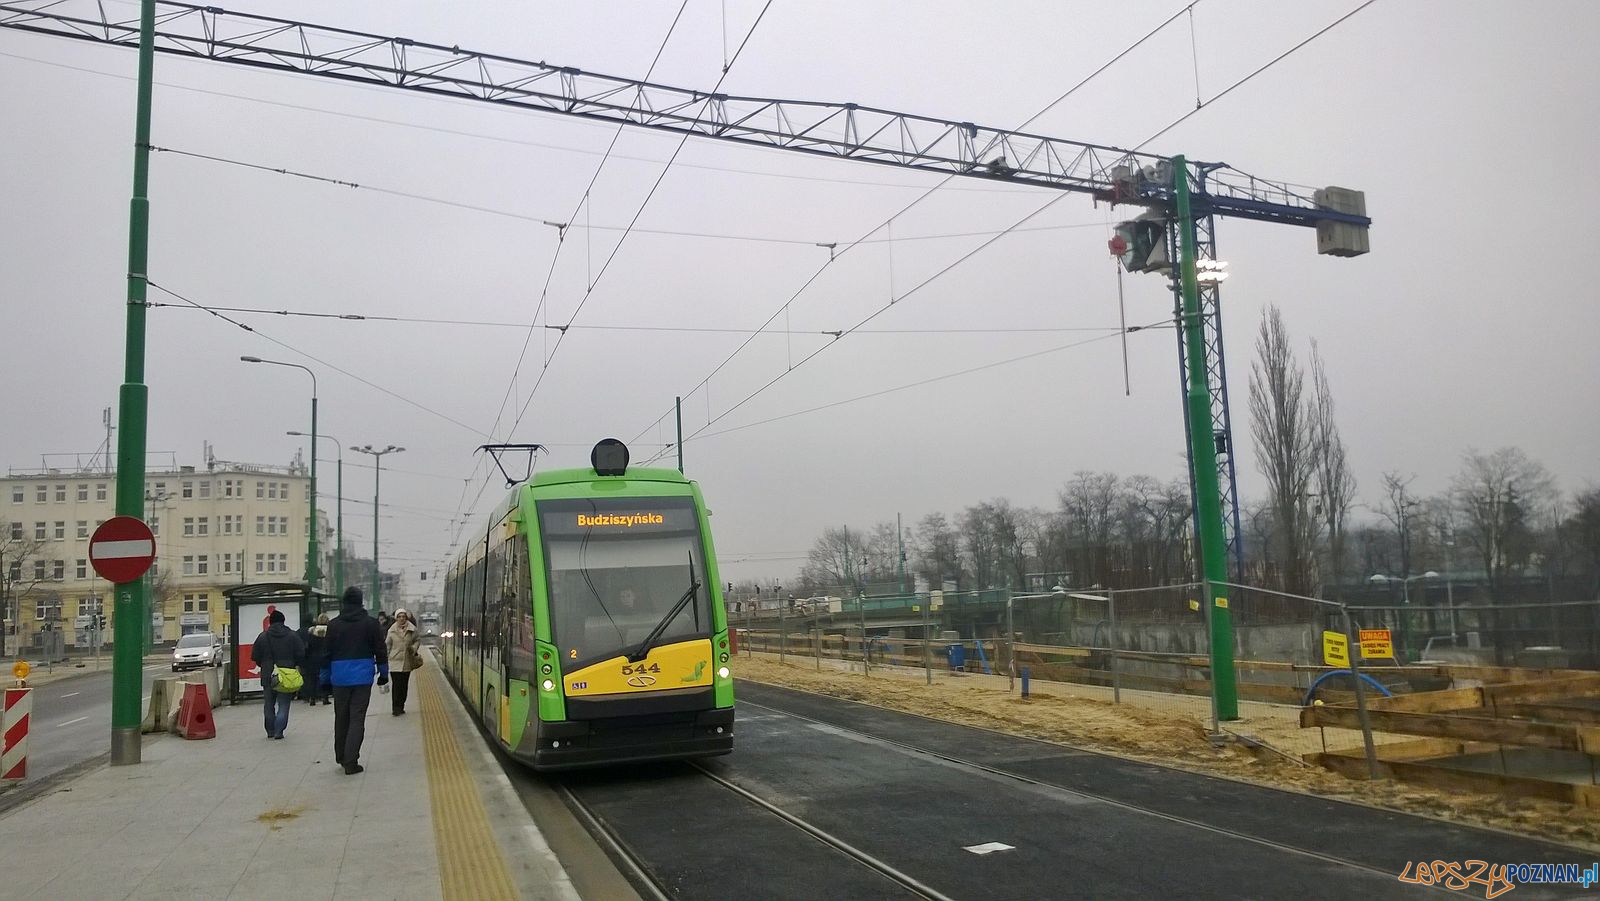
1052	650
1501	731
1430	701
1544	690
1418	773
1553	713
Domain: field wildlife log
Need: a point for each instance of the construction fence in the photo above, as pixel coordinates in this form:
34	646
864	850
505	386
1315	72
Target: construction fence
1151	647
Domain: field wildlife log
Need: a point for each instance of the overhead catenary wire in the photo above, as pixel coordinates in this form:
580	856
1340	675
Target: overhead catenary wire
298	352
834	255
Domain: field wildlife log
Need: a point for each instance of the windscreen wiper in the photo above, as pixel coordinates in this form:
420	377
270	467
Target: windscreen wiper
655	634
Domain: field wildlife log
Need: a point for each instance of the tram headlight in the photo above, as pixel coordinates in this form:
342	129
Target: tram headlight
547	685
722	673
547	669
724	657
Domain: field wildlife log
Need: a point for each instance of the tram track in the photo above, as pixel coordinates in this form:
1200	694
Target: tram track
653	886
1085	795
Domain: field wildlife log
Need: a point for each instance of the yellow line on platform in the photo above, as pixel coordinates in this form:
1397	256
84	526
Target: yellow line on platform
470	864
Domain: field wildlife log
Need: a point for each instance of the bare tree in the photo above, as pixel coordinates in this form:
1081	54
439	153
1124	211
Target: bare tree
1335	483
1281	430
937	550
835	559
1582	529
1396	508
1499	495
18	578
1090	503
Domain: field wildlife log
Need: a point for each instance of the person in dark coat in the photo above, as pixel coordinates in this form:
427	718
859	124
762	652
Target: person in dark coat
276	647
315	636
356	652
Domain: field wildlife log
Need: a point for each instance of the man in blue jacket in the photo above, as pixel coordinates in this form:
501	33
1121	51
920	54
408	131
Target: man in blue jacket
355	652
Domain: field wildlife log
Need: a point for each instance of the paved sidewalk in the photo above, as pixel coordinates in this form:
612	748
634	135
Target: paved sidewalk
242	816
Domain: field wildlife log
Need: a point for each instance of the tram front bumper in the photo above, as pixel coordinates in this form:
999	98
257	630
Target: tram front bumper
571	744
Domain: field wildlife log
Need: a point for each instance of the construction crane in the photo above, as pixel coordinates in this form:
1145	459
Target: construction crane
1175	236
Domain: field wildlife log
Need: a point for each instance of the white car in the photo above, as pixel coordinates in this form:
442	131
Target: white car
195	650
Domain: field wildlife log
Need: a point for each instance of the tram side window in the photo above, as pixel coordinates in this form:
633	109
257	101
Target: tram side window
494	604
519	608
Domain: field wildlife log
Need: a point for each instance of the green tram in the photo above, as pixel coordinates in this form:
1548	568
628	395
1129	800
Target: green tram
584	624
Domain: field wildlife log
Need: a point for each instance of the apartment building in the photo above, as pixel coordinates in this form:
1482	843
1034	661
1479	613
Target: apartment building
216	527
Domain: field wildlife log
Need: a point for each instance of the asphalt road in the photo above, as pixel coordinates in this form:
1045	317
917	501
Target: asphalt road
71	719
916	795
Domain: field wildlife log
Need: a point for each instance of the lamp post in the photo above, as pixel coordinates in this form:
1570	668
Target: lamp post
377	473
338	486
312	575
1405	599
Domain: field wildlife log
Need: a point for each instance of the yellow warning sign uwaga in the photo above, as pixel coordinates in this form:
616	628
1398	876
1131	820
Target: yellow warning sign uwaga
1335	649
1376	643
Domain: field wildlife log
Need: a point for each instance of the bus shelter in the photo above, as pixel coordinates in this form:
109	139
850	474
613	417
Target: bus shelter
249	608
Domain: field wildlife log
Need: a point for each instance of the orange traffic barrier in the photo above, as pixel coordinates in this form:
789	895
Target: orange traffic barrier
194	713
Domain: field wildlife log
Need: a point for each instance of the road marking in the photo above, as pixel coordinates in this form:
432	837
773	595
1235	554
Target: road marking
989	848
70	722
157	666
71	694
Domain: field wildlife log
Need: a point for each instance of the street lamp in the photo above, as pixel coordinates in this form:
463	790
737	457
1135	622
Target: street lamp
338	560
312	576
1405	597
377	473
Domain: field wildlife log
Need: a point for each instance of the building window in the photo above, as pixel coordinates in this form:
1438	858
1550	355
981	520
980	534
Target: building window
202	526
283	563
188	527
83	492
232	488
261	525
83	529
91	605
61	494
203	564
100	491
16	531
41	494
58	570
61	530
227	563
188	490
39	531
155	525
82	569
188	565
16	494
205	488
260	558
155	567
16	570
48	610
261	490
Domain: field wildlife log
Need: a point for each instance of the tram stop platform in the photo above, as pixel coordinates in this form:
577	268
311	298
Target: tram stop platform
434	816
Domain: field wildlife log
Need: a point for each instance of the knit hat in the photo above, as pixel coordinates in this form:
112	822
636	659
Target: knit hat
353	597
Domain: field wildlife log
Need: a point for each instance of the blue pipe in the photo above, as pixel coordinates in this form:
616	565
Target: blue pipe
1342	672
982	659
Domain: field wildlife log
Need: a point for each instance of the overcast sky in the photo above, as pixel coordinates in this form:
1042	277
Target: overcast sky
1470	126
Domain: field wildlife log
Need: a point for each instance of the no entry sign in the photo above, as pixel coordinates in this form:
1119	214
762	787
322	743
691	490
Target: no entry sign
122	549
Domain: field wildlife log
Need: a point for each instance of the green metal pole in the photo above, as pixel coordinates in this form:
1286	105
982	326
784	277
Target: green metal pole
127	662
338	562
1203	450
377	477
313	576
678	405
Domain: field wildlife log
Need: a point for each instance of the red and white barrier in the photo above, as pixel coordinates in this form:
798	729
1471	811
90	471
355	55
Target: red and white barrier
14	725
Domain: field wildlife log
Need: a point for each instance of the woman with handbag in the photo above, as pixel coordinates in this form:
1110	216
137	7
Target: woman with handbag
405	656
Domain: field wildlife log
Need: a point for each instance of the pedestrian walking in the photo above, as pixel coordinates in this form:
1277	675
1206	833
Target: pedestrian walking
316	640
405	656
356	652
277	653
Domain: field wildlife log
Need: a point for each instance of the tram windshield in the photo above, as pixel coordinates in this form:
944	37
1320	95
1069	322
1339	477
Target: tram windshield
616	568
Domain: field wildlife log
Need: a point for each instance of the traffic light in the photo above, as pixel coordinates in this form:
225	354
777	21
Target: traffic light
1141	244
